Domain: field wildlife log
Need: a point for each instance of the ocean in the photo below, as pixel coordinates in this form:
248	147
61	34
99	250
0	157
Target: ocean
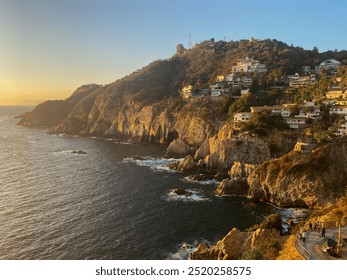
104	204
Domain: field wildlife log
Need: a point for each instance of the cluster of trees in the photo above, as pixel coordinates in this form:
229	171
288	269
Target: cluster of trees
262	123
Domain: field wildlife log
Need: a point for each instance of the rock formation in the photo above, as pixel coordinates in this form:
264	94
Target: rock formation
237	183
185	165
262	242
222	150
229	248
303	180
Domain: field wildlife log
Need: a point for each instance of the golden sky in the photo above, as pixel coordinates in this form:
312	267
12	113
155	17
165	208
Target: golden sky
48	48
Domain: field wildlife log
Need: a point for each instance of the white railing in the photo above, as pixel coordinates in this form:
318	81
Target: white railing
301	249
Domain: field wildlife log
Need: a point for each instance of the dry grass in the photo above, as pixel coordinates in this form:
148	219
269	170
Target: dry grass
289	252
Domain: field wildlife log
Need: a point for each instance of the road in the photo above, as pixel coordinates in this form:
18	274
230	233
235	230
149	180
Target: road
313	244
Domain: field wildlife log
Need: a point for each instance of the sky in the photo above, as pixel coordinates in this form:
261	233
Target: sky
48	48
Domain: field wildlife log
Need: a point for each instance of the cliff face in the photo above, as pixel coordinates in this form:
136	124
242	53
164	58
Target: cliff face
223	149
260	243
303	180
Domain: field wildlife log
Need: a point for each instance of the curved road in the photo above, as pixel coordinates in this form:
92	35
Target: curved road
313	244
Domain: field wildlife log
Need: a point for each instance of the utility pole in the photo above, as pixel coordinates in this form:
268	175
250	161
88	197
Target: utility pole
339	216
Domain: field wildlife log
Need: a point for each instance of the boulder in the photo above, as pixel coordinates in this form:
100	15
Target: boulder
185	165
232	187
229	248
180	191
178	148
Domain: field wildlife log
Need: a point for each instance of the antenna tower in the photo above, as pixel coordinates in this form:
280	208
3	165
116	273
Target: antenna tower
190	44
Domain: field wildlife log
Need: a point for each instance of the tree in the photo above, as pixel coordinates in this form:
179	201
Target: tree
180	49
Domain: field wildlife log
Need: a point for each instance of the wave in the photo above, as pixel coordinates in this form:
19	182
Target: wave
184	250
294	214
194	195
69	152
156	164
201	182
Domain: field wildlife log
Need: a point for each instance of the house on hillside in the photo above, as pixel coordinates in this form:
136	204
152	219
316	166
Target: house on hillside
295	122
296	81
330	64
249	65
339	110
242	117
217	90
275	110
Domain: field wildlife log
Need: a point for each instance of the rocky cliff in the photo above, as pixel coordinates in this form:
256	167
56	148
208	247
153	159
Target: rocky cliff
262	242
302	179
220	151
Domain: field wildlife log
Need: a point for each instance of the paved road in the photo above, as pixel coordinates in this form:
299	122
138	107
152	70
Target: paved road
313	244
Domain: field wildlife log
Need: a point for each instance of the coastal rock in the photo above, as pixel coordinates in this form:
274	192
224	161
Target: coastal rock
244	148
180	191
178	148
260	242
241	170
203	151
232	187
302	180
187	164
79	152
229	248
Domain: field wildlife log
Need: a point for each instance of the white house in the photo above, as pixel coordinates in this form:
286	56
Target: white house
242	117
217	90
340	110
294	122
275	110
249	65
304	81
330	64
229	77
257	67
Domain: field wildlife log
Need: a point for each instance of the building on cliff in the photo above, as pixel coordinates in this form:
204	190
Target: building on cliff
249	65
339	110
242	117
330	64
296	81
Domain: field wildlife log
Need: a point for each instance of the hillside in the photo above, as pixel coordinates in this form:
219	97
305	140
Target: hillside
146	106
163	79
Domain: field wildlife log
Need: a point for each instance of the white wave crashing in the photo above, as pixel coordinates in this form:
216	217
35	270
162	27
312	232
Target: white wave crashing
194	196
184	251
203	182
156	164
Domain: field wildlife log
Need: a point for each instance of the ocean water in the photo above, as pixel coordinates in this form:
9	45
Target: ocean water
105	204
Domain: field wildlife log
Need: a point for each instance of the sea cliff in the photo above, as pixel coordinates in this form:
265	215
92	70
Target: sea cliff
147	106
